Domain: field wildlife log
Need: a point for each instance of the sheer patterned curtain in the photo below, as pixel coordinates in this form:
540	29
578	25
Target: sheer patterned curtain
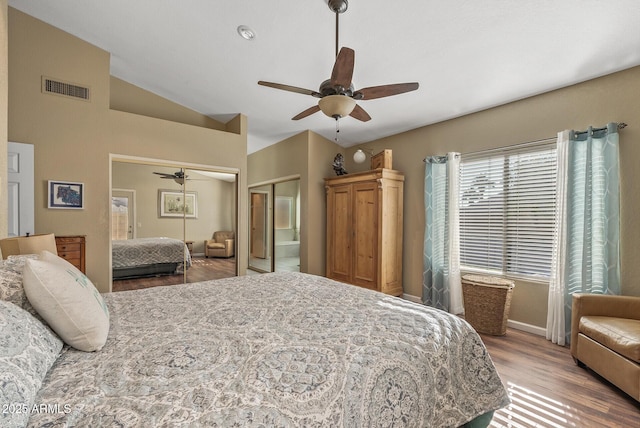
441	286
586	254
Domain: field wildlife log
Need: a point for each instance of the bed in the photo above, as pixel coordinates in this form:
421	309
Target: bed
140	257
281	349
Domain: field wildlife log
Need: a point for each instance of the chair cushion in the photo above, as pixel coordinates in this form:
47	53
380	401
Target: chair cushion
215	245
221	236
621	335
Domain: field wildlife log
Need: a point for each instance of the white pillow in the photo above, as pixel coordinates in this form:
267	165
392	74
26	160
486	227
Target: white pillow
67	300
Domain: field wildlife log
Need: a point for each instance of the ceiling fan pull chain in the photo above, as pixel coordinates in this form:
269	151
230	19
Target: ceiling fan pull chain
337	18
337	130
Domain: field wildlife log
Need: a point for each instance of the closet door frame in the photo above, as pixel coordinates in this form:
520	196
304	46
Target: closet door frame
161	163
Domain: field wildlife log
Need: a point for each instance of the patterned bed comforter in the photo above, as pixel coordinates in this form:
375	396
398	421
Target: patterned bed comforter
148	251
280	349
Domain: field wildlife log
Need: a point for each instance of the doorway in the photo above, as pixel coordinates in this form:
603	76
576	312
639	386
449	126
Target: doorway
20	189
259	209
123	219
260	229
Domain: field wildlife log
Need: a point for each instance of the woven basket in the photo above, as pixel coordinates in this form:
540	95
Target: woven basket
487	301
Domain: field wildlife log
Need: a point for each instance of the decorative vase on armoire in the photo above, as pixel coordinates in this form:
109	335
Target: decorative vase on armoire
364	229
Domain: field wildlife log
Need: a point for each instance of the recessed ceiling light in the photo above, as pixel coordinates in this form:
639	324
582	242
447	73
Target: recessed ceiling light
246	32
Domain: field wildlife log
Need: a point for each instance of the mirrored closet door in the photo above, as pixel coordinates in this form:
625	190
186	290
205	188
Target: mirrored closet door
260	230
210	227
286	226
163	219
274	227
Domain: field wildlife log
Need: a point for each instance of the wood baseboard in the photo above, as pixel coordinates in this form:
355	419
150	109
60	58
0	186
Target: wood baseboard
533	329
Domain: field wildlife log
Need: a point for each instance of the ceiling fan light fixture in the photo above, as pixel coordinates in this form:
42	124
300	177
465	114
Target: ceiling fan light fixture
337	106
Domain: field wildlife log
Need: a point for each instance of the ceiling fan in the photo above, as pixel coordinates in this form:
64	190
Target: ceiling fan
337	95
178	176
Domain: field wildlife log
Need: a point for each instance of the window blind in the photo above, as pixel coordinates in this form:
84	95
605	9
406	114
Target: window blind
507	209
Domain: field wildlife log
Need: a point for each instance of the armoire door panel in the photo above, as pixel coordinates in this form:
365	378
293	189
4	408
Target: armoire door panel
339	246
365	214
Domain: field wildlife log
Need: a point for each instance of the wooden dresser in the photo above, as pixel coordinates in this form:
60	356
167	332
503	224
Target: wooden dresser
364	229
71	248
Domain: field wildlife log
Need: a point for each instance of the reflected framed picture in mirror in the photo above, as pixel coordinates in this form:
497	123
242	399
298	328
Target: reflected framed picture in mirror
177	204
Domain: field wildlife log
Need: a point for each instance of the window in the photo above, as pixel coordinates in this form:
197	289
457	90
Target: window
507	210
119	218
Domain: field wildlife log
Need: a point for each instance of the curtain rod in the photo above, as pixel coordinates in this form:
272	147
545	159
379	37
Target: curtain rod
621	125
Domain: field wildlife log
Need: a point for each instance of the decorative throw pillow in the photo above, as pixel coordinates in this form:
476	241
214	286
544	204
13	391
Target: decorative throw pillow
67	300
27	350
11	289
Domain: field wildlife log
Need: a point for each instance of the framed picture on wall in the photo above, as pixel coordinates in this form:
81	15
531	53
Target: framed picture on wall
65	195
177	204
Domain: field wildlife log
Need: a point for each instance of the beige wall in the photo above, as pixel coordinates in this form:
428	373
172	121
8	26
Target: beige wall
320	160
310	156
4	87
131	99
74	140
612	98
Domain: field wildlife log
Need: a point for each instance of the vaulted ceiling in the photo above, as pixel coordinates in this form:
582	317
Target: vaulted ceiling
467	55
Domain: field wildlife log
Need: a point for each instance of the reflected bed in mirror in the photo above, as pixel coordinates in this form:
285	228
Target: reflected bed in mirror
142	257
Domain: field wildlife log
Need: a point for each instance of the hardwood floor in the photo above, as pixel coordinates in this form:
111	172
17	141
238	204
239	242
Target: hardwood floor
202	269
548	389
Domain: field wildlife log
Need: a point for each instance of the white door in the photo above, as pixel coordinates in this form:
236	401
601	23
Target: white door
123	214
20	189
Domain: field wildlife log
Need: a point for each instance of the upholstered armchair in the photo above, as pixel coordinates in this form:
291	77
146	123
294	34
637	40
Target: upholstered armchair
605	336
222	244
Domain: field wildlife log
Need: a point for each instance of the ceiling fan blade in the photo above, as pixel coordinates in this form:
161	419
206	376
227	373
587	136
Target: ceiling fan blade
291	88
374	92
359	113
165	175
307	112
343	68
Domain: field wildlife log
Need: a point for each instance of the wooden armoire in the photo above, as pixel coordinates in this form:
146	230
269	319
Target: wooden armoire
364	229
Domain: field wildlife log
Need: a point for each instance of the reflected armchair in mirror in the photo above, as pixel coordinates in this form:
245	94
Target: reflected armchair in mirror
222	244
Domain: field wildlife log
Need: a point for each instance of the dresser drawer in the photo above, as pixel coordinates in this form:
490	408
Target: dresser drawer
72	249
62	248
69	255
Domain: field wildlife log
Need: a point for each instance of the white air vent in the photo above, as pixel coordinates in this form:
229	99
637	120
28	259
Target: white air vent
66	89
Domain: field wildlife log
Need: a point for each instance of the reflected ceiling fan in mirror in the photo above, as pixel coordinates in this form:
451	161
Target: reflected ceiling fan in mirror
178	176
337	94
